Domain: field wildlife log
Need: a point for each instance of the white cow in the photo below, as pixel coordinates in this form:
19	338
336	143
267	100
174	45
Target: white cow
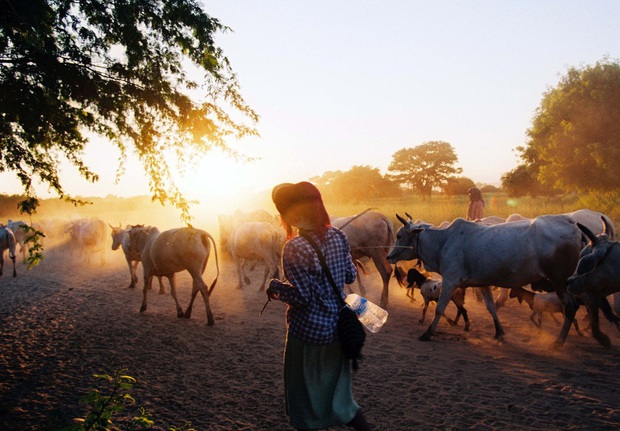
593	220
174	250
256	242
120	239
7	242
20	231
370	235
228	223
542	252
88	237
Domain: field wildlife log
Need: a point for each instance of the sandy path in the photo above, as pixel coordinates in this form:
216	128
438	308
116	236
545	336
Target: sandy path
63	322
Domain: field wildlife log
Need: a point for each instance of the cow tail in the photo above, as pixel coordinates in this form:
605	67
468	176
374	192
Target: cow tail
205	240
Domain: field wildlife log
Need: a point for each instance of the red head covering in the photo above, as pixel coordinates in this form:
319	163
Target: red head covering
300	202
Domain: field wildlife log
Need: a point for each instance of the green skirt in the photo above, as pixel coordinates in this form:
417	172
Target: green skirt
317	384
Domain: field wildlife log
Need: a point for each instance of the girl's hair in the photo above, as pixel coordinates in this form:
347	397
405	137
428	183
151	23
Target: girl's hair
301	202
475	194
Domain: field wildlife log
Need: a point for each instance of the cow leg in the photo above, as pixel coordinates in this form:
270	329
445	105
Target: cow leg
240	264
555	319
132	273
162	288
570	309
198	285
609	313
385	269
444	297
14	272
423	312
575	324
361	285
595	325
147	284
463	311
262	286
533	319
501	298
173	292
490	304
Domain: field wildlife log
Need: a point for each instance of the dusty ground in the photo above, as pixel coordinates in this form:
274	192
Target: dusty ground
64	321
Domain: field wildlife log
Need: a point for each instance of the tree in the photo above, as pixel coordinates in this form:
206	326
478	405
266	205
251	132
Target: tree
356	185
574	140
117	69
424	167
522	181
457	186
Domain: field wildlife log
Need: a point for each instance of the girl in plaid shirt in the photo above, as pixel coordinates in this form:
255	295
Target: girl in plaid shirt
317	377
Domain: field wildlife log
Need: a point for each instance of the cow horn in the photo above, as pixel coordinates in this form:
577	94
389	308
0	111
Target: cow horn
606	228
587	232
402	220
409	216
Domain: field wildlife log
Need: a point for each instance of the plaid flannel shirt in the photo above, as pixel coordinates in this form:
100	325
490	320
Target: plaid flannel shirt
312	305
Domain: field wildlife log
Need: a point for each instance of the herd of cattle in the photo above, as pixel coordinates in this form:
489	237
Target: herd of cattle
573	255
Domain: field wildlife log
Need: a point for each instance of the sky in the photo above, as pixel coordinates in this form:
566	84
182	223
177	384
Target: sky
350	82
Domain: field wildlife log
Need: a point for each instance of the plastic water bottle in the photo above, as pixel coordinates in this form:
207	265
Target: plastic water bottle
371	315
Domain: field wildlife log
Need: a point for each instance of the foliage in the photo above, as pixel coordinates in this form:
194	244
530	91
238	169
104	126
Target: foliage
424	167
457	186
523	180
574	141
35	247
105	408
121	70
355	185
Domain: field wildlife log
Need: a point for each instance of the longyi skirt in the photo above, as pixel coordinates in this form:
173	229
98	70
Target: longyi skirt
317	384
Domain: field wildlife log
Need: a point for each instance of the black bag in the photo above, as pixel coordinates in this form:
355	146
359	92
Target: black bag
350	330
352	335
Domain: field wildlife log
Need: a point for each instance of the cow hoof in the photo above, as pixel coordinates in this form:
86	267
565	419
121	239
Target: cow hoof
180	314
557	344
603	340
143	308
162	292
425	337
247	280
466	328
210	322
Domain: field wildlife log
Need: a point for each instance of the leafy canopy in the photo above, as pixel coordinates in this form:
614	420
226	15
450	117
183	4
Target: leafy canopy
120	69
356	185
424	167
574	140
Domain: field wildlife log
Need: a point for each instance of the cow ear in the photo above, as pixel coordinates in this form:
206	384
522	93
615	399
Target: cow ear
587	264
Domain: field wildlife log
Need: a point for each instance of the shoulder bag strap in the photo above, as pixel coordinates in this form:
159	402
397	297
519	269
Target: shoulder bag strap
323	264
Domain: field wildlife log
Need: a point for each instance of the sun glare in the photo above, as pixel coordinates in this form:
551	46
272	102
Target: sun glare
219	176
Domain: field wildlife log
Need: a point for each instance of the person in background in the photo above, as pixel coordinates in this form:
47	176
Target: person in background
476	204
317	377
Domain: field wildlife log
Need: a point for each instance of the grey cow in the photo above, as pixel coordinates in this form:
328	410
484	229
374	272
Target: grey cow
597	276
542	252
